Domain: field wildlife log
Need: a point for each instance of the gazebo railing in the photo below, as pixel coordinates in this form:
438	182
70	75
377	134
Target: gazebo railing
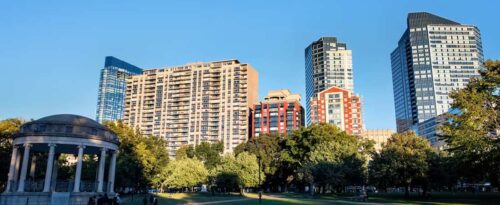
34	185
60	186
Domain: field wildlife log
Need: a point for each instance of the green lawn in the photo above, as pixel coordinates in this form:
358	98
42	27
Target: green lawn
282	199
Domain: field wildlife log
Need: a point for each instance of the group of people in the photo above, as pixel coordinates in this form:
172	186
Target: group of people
152	200
104	200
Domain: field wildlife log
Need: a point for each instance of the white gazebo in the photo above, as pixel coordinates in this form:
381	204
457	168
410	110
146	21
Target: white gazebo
33	174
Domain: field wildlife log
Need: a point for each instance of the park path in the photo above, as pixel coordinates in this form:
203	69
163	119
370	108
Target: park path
332	201
217	202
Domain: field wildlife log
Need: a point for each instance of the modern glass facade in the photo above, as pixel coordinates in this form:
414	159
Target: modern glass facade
112	87
327	63
434	56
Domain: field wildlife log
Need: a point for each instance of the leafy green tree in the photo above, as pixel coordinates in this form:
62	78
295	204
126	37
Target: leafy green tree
473	128
244	167
322	151
184	173
404	161
248	169
268	148
8	128
209	153
185	151
141	159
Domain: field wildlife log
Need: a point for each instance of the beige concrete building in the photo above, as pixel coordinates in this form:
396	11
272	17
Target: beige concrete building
380	136
192	103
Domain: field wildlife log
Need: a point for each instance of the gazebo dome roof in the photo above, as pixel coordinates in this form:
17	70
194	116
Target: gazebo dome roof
70	119
68	125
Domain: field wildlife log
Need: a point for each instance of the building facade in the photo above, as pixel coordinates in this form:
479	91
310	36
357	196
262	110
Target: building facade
339	107
430	130
112	86
279	113
327	63
434	56
193	103
379	136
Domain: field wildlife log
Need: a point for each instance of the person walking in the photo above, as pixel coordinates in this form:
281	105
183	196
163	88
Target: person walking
155	201
145	200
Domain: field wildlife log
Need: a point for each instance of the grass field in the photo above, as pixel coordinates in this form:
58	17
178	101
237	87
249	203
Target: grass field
282	199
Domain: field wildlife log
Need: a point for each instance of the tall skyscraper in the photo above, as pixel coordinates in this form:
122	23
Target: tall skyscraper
193	103
328	63
112	85
434	56
279	113
339	107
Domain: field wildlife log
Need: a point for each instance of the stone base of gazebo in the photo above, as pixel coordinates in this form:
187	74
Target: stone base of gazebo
47	198
25	198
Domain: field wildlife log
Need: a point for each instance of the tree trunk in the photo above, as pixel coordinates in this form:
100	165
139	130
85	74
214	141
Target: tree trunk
407	191
311	189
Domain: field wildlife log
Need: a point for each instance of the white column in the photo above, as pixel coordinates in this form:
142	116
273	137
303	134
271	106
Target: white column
18	164
100	175
24	168
33	167
78	174
111	176
12	168
50	165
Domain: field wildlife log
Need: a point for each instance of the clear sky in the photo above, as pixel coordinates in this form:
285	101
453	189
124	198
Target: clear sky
51	52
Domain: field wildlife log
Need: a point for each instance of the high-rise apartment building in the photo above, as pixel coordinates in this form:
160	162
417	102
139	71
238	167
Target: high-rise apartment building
339	107
193	103
434	56
279	113
328	63
112	85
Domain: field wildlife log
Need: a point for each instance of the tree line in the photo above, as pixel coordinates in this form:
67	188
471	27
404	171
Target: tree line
320	156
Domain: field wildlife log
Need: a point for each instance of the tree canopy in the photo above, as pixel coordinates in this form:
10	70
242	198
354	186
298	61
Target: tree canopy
403	162
184	173
141	158
472	132
8	128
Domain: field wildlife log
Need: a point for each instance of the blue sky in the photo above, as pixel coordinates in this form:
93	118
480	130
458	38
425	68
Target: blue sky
51	52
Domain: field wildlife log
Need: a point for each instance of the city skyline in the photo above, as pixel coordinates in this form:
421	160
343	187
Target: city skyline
47	93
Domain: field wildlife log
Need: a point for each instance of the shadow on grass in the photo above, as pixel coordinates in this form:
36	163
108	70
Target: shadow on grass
291	198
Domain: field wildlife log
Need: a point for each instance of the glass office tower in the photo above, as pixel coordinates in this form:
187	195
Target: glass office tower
112	87
434	56
328	63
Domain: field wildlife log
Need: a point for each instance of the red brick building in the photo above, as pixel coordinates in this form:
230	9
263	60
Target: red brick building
339	107
280	112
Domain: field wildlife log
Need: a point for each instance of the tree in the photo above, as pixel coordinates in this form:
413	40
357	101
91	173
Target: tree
184	173
268	148
8	128
242	171
209	153
322	151
248	169
403	161
472	132
141	159
185	151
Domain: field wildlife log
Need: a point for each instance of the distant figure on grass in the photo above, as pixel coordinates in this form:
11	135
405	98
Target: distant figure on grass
91	201
151	199
103	200
155	201
145	200
117	200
